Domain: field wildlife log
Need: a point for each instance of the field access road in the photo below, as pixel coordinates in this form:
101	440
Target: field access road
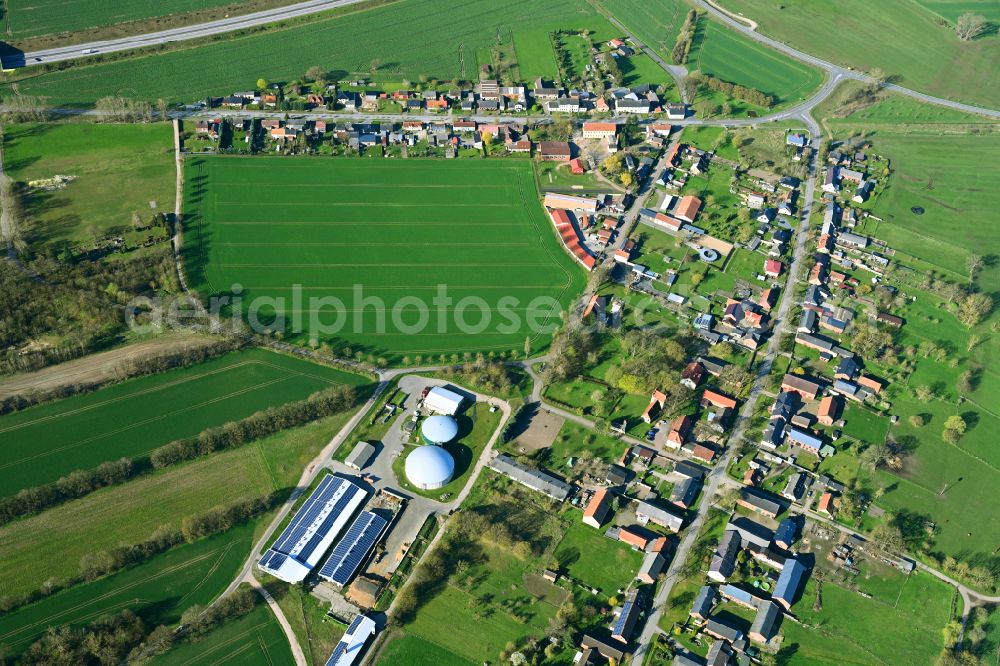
716	477
184	33
834	71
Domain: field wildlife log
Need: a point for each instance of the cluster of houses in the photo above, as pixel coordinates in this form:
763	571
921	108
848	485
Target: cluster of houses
773	549
488	96
598	217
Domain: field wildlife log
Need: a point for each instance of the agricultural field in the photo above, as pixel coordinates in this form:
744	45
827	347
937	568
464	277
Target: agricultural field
256	639
850	629
158	590
730	56
838	114
950	10
447	49
117	170
50	544
655	22
922	51
131	419
391	232
31	18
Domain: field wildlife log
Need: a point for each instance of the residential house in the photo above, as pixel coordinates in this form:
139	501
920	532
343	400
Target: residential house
759	502
599	130
719	654
625	623
646	512
722	630
806	388
773	268
656	402
751	533
795	488
787	532
701	609
676	111
680	428
684	492
598	508
652	565
765	622
724	560
693	375
716	399
786	590
829	410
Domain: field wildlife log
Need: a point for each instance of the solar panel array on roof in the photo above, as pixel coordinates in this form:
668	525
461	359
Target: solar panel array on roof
626	620
317	522
353	548
354	639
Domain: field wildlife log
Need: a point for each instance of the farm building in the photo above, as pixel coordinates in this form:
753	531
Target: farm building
535	479
352	642
597	510
556	201
687	208
554	151
790	580
443	401
765	623
313	529
703	603
354	548
360	456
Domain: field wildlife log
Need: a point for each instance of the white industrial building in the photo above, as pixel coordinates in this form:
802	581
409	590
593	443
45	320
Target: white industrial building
443	401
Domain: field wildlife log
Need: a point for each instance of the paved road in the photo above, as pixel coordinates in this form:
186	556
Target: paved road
832	69
181	34
717	476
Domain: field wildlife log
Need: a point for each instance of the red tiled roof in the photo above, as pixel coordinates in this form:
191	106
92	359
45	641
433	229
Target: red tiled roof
688	207
718	399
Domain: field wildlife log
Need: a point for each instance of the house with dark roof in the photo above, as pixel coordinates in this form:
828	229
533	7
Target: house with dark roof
624	625
759	502
806	388
738	595
795	488
703	603
724	561
684	493
786	590
750	532
723	630
787	532
765	623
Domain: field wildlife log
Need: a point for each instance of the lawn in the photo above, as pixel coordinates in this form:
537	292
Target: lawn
728	55
31	18
556	177
256	639
897	36
588	556
445	48
385	243
855	630
131	419
864	425
158	590
416	651
535	55
117	170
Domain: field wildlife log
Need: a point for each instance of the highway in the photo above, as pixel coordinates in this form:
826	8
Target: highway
184	33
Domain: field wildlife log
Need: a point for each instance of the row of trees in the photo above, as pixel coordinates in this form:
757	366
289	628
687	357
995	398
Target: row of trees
261	424
682	48
124	369
117	109
106	641
486	376
743	93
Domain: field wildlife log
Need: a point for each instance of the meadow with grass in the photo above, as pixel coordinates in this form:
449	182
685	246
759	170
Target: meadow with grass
117	170
255	639
910	41
395	231
130	419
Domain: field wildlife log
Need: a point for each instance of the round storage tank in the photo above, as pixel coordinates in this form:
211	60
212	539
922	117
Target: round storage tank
439	429
429	467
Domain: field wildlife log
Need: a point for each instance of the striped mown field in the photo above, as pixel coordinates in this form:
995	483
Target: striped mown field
130	419
380	240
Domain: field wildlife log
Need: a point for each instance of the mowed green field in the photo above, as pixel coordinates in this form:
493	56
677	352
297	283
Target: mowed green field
394	231
655	22
900	37
950	10
729	56
31	18
409	38
158	590
117	170
256	639
130	419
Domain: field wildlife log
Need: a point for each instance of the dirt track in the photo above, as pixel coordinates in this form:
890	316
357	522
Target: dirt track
99	367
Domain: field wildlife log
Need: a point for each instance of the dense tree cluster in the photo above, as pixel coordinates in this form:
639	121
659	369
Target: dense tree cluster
261	424
107	641
573	351
749	95
486	376
81	304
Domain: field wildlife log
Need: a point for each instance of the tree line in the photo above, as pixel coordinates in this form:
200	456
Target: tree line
81	482
125	369
101	563
682	48
736	91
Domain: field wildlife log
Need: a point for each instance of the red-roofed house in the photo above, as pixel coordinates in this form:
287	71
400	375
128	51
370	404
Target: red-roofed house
597	510
633	539
870	383
687	208
693	375
829	410
710	397
599	130
679	429
671	223
703	452
656	402
826	504
768	298
576	167
773	268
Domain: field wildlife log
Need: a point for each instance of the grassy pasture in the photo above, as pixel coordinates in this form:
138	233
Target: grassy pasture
118	170
131	419
446	48
727	55
897	36
31	18
655	22
51	544
157	590
256	639
589	556
394	230
890	109
950	10
416	651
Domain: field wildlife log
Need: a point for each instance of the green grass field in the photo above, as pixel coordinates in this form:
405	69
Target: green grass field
256	639
655	22
158	590
727	55
892	109
392	231
416	651
445	48
118	170
31	18
599	562
855	630
131	419
898	36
